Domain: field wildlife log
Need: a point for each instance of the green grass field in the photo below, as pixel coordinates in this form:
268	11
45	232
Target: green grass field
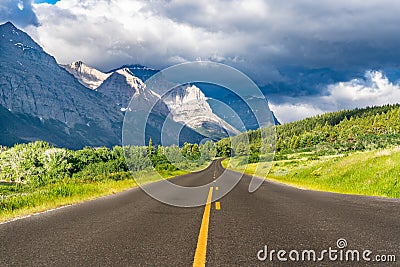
373	173
20	201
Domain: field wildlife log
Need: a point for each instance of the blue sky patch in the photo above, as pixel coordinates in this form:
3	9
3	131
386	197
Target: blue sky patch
46	1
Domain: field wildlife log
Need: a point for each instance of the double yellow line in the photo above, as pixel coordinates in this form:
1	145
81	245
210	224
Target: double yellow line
201	249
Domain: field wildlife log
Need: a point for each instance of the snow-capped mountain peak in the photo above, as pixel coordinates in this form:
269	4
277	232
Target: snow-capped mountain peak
52	104
189	106
11	35
122	85
134	82
88	76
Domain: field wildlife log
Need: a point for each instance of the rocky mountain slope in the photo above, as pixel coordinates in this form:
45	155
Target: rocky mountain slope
129	94
139	71
86	75
122	85
188	105
78	105
40	100
33	84
217	97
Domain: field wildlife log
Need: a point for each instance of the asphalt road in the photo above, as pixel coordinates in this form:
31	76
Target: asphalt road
132	229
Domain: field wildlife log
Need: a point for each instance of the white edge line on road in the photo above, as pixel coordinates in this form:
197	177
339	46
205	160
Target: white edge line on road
66	206
97	198
37	214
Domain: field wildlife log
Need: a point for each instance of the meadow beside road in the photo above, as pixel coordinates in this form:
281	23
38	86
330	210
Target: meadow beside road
370	173
132	229
36	177
373	173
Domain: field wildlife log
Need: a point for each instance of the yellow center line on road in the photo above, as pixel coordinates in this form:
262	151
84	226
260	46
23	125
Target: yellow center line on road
201	249
217	205
215	171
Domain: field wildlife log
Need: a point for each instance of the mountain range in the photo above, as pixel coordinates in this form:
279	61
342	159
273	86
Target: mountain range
34	86
76	105
185	104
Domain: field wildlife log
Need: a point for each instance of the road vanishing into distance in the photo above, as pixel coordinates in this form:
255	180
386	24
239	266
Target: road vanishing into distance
132	229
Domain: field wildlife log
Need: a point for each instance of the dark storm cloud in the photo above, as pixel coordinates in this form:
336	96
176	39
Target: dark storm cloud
314	34
259	37
291	48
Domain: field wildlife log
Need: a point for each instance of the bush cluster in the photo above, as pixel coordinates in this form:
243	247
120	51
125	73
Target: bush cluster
38	163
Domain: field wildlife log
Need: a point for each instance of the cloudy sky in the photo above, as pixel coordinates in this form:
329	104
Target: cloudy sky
309	56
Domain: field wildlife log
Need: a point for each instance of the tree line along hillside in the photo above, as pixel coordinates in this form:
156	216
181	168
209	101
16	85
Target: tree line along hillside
36	174
346	130
38	163
360	129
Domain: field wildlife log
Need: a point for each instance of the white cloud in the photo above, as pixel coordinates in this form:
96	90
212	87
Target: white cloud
259	37
288	112
20	5
111	33
374	90
255	35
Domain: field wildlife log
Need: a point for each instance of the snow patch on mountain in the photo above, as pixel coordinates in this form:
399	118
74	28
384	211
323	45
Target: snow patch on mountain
189	106
122	86
135	83
86	75
37	90
185	104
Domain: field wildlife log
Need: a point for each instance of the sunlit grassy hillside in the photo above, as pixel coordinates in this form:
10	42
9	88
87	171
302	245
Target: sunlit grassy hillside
375	173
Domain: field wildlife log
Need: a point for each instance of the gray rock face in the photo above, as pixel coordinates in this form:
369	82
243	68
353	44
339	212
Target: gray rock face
86	75
36	90
189	106
122	87
145	110
31	82
186	105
